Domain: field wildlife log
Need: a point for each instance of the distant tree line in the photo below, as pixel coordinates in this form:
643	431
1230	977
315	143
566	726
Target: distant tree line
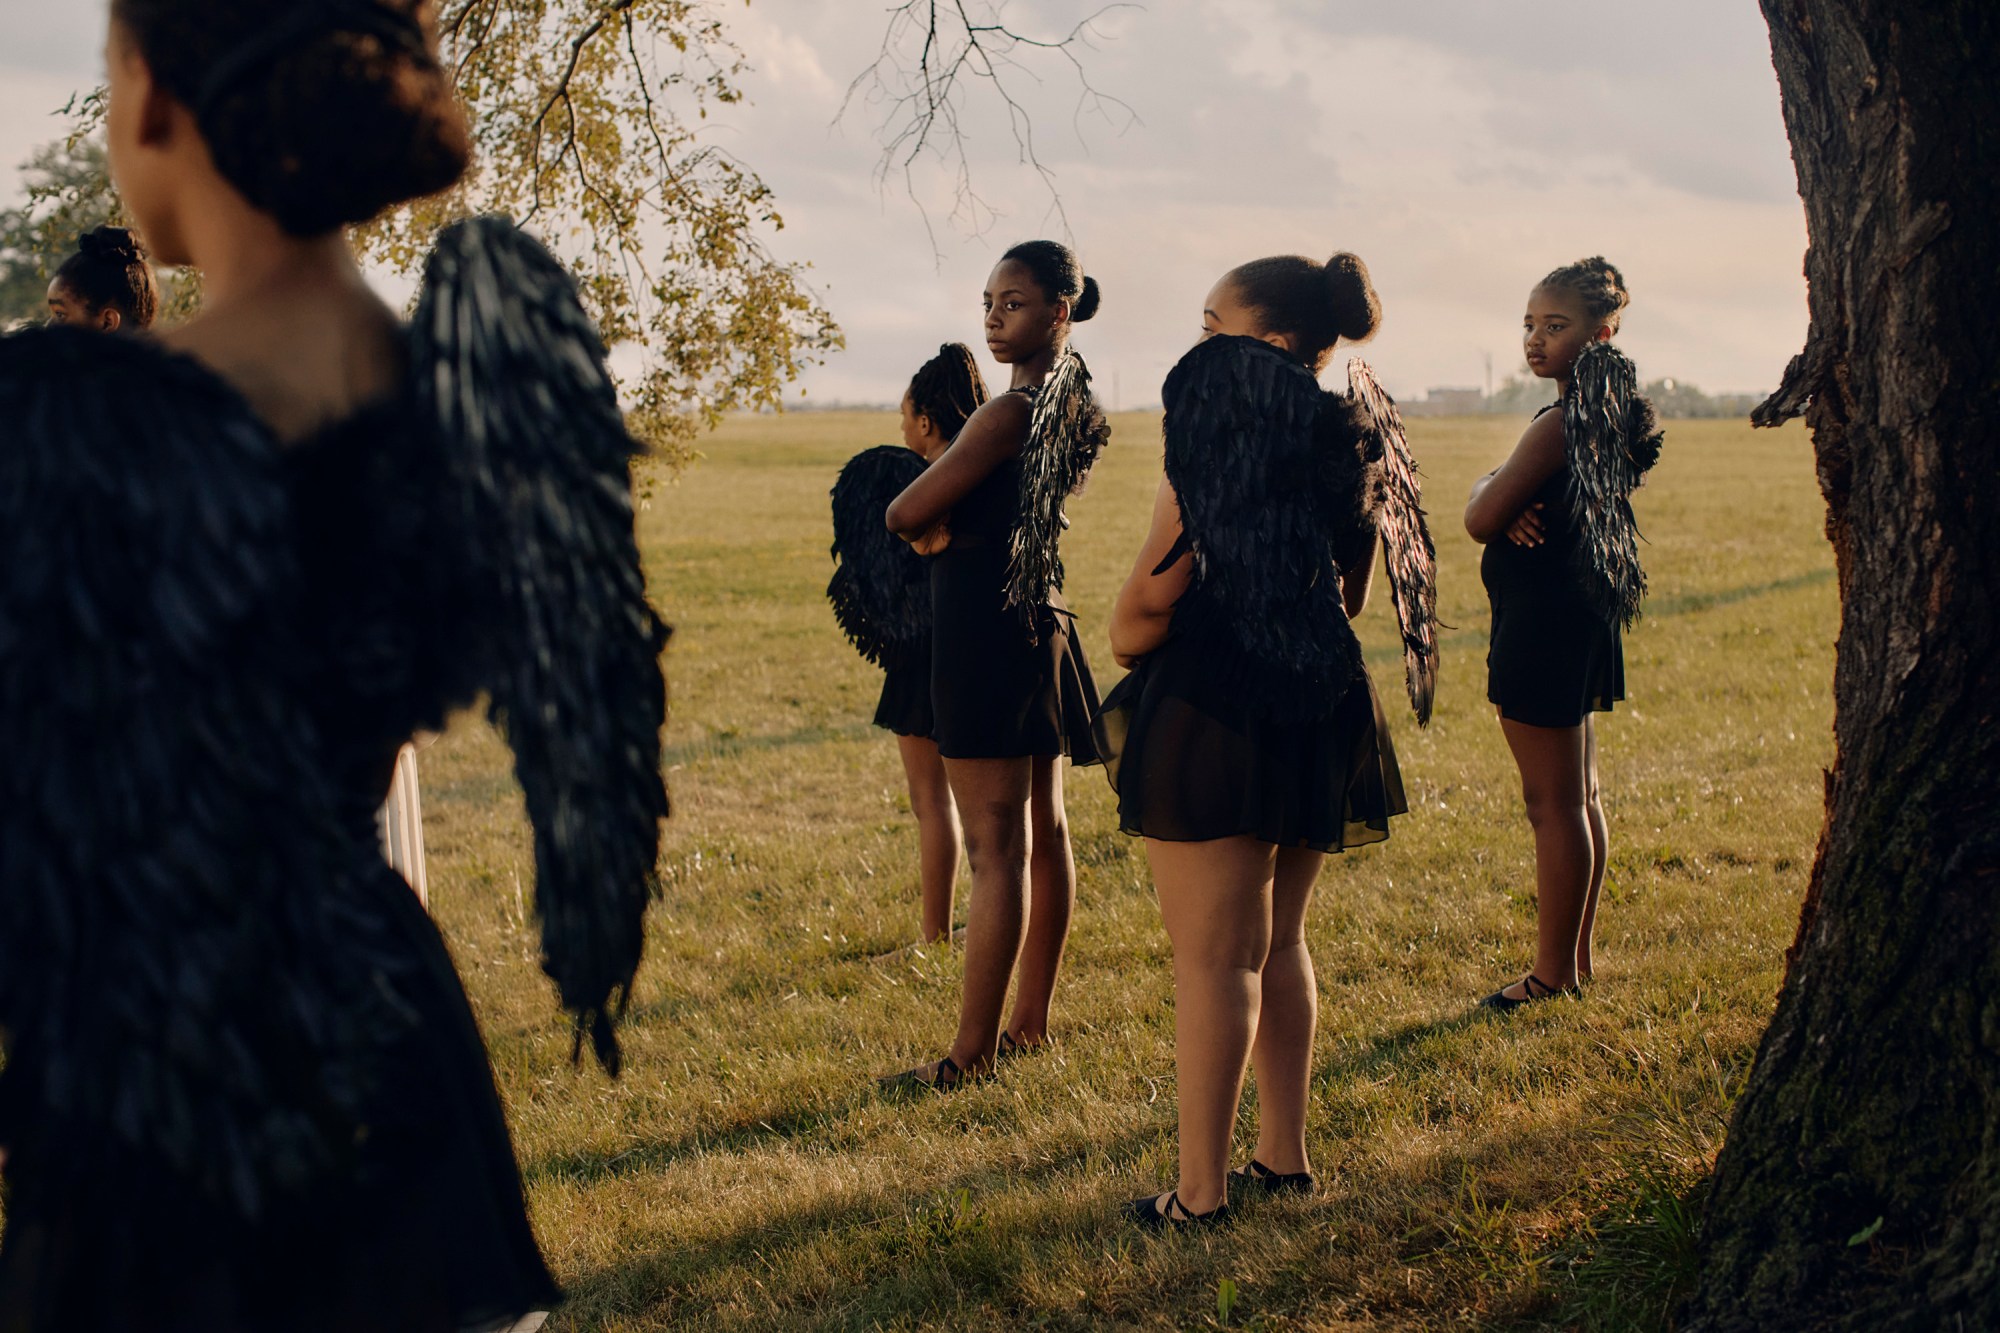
1521	394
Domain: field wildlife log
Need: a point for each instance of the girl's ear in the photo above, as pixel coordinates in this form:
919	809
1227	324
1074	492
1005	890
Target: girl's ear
1604	333
109	320
925	426
1284	342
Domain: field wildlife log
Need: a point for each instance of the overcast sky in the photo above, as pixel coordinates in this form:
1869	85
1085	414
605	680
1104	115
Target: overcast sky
1459	148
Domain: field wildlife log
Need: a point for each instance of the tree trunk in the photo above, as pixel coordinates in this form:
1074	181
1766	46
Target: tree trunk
1860	1187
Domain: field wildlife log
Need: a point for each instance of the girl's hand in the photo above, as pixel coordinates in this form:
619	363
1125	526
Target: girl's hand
1527	529
933	539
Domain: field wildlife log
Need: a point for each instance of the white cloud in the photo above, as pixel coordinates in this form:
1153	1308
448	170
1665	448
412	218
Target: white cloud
1460	149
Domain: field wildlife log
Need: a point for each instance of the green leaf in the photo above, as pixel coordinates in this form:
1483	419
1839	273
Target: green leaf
1225	1301
1866	1234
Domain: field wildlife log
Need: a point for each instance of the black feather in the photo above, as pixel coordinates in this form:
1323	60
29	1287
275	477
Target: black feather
1612	438
538	458
1273	486
1406	536
880	590
189	958
1066	434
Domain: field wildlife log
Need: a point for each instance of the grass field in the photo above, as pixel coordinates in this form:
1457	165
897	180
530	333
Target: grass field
1479	1173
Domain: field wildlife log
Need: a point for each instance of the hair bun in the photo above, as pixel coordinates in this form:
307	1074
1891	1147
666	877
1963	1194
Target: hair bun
341	123
1356	309
118	244
1086	302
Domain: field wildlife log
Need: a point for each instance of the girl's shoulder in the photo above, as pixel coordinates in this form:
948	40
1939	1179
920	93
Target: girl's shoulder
1544	433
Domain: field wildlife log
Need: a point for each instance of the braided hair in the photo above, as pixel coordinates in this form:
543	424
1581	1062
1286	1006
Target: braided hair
1598	284
1056	271
947	389
109	272
1318	304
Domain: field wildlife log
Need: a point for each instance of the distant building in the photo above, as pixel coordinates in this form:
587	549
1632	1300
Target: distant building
1449	403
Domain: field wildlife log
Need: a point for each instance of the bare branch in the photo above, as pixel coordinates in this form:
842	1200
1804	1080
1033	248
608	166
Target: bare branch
936	54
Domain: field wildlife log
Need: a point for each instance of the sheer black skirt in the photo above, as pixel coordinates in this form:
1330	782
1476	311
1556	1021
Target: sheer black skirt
1192	761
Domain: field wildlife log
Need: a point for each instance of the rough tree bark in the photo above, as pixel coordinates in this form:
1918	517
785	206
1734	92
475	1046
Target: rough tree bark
1860	1188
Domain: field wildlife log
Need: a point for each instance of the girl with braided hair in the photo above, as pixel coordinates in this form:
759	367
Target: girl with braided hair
107	284
1011	692
1561	569
881	595
240	566
1247	742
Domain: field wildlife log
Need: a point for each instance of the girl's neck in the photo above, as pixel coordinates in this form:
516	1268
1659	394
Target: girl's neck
245	258
1029	374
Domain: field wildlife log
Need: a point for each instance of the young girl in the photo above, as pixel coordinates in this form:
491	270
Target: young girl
1247	741
107	284
881	595
1010	688
1564	583
242	1087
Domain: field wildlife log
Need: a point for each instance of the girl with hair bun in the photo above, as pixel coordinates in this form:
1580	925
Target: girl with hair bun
1247	742
1010	690
107	284
1562	571
242	1087
881	594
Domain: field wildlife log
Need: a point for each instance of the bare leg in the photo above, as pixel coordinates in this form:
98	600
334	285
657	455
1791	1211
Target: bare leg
1551	760
1052	900
938	832
993	796
1282	1055
1216	900
1600	847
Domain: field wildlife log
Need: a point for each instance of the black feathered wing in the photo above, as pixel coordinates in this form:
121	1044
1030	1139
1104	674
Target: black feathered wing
1411	555
1272	489
1066	433
189	960
880	590
538	465
1611	438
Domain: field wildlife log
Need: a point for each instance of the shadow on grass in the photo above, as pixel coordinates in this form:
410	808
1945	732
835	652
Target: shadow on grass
926	1253
591	1166
728	745
1397	1049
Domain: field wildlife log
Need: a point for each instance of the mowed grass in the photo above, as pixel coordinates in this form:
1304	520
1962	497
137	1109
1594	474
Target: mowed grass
744	1174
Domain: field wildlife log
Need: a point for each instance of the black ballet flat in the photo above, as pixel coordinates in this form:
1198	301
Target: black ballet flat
1260	1179
1500	1002
1010	1048
945	1076
1175	1216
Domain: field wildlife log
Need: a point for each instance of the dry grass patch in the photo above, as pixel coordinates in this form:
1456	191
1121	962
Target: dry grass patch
744	1174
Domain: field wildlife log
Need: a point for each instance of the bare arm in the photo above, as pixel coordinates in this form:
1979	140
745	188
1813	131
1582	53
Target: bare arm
995	434
1503	495
1144	612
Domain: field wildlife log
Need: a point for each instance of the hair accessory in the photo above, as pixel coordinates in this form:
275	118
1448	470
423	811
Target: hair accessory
301	23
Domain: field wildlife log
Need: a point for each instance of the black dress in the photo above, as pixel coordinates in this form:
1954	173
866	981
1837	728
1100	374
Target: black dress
997	691
1553	657
244	1091
1261	722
